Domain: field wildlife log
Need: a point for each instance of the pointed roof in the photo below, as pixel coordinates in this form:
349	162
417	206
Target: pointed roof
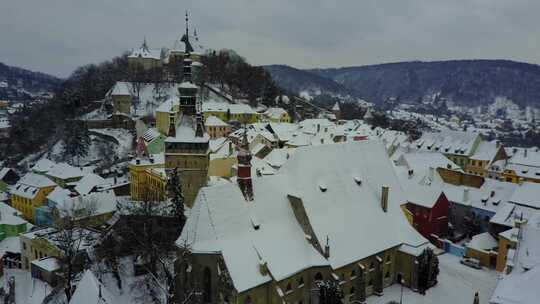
91	291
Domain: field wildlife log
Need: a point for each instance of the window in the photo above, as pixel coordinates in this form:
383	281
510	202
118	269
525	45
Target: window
318	276
300	282
288	289
248	300
352	291
353	274
371	266
370	282
387	274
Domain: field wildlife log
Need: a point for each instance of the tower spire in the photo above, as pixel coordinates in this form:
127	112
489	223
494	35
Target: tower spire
187	24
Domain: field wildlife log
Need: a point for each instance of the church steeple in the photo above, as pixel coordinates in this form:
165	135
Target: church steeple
185	38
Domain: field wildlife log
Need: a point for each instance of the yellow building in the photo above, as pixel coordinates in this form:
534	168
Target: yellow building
145	58
222	158
277	115
168	112
228	113
36	245
120	97
486	154
216	127
145	184
507	240
483	247
42	243
31	192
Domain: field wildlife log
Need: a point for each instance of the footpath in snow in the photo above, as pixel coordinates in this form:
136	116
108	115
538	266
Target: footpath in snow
457	284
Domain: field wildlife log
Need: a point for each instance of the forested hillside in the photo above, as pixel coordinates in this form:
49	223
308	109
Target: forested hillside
463	82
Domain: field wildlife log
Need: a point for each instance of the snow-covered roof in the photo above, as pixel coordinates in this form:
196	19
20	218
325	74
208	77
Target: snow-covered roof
487	150
58	194
121	88
94	203
185	132
490	196
215	122
483	242
65	171
527	194
168	105
30	184
50	264
447	141
221	220
275	113
234	108
278	157
521	284
145	52
517	288
89	182
10	216
43	165
88	291
4	172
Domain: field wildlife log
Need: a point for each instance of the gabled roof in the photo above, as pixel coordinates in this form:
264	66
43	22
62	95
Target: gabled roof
30	184
448	142
215	122
43	165
89	289
65	171
88	183
349	208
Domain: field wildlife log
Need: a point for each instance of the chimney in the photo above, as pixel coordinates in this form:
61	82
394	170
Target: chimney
411	173
492	194
327	248
525	152
230	148
384	198
465	194
431	173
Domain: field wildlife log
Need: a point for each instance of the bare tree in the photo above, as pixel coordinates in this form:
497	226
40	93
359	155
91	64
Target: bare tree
72	240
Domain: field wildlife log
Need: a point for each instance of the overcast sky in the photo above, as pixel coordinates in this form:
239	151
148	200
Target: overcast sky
56	36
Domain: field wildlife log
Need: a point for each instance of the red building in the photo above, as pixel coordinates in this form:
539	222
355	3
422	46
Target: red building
430	215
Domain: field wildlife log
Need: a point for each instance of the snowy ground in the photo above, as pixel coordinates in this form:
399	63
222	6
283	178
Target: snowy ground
457	284
27	290
124	138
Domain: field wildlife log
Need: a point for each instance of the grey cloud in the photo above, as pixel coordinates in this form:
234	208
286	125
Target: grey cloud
56	36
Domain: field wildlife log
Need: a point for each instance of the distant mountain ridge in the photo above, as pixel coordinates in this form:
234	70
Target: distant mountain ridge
19	84
461	82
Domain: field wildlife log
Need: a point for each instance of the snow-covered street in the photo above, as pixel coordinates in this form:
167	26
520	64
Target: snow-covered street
457	285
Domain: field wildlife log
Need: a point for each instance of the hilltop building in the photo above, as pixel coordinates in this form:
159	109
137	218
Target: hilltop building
144	57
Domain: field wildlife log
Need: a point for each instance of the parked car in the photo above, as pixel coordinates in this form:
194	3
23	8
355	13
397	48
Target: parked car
471	262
